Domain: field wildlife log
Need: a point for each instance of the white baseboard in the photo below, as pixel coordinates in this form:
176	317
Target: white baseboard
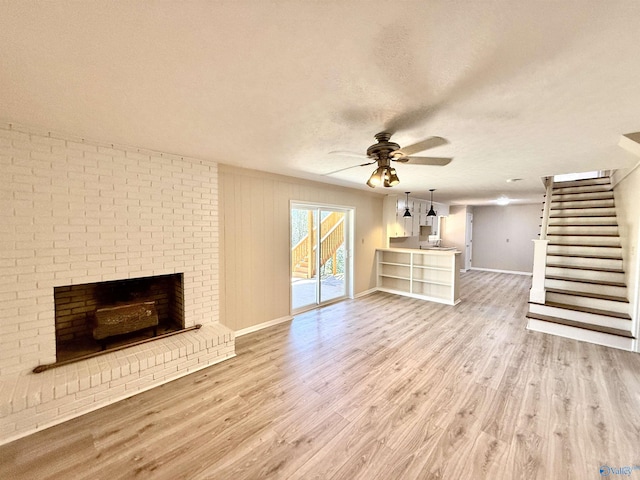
514	272
366	292
260	326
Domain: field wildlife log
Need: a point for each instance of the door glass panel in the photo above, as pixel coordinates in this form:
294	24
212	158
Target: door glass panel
332	255
319	264
304	274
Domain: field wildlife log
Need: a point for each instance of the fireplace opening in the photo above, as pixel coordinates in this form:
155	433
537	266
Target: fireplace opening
95	316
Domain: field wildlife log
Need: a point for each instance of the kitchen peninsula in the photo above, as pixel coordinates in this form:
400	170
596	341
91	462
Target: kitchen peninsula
432	274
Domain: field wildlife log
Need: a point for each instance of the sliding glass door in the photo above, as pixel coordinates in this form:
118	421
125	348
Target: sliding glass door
320	270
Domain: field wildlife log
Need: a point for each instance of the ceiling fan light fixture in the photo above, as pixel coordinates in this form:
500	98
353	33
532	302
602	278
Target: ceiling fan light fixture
385	151
393	178
376	178
431	212
386	177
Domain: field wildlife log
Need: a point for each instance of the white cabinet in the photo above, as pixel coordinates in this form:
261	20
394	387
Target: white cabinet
415	217
390	217
434	221
407	226
432	275
397	225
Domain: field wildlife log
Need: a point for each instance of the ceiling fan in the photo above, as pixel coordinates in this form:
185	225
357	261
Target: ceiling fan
384	152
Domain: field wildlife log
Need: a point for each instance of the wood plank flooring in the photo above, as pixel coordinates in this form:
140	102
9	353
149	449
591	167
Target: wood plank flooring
383	387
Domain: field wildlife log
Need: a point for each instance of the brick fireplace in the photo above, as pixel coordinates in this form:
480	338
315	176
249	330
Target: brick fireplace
77	213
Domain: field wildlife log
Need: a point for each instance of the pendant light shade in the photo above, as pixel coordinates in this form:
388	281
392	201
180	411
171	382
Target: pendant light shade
431	212
407	213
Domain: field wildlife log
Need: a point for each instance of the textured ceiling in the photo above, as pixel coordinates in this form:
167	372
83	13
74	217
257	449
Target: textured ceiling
519	89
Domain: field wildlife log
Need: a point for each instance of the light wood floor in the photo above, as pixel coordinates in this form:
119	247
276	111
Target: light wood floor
384	387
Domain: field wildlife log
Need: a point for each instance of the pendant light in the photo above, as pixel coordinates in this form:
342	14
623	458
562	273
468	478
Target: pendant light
431	212
407	213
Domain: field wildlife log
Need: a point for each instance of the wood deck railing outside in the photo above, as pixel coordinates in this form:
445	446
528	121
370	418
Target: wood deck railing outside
332	237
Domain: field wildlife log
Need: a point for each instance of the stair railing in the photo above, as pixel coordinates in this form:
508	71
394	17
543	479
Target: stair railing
538	293
330	244
299	252
547	207
331	228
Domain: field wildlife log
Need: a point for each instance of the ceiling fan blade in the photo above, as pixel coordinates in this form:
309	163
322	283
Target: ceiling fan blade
437	161
426	144
352	166
348	154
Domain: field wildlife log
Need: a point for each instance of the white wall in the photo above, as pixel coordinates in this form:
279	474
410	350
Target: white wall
627	200
255	277
502	236
454	230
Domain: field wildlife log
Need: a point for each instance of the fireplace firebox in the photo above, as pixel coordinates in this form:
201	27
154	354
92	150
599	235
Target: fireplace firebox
86	315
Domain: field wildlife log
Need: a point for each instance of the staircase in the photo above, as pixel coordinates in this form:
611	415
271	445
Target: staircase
303	254
585	295
301	270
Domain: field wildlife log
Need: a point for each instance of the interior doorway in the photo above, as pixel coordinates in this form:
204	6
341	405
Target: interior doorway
321	267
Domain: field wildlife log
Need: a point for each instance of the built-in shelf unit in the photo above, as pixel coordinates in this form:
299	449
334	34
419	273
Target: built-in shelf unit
432	275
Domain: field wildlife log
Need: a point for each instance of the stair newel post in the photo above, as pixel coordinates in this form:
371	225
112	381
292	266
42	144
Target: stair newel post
538	292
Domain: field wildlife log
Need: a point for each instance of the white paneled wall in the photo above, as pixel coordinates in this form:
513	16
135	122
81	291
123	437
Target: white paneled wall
255	288
73	212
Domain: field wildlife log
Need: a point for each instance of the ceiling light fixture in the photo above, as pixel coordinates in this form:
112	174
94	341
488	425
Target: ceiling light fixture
407	213
376	178
385	175
431	212
393	178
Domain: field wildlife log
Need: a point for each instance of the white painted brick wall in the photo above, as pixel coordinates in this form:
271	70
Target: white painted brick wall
74	212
